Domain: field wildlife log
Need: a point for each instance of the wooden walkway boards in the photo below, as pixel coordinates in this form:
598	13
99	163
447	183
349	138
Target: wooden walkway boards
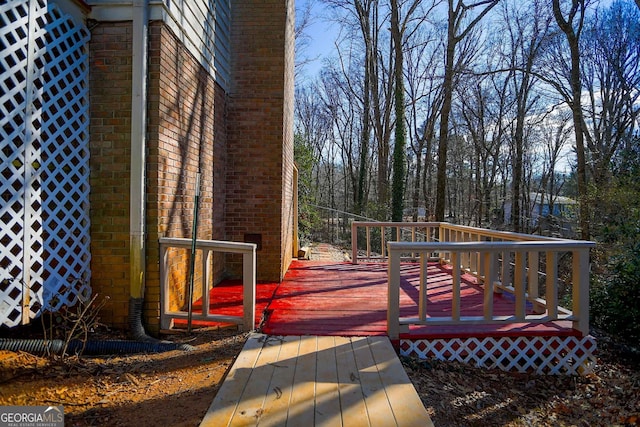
317	381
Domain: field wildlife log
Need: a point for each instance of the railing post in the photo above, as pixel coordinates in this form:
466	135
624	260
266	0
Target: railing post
533	279
354	243
165	322
455	272
422	300
551	296
489	278
519	285
249	289
581	290
207	259
393	302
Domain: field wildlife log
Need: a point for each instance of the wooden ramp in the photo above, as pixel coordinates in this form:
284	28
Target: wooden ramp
317	381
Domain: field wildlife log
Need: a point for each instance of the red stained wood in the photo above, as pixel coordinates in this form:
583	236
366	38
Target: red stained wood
341	299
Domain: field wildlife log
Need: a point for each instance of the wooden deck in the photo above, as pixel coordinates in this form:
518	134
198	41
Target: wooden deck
341	299
317	381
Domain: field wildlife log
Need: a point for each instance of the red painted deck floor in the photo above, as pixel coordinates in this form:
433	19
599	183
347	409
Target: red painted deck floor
341	299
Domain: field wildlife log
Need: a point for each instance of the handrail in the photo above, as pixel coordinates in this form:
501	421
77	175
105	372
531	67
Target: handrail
508	261
489	272
428	234
248	251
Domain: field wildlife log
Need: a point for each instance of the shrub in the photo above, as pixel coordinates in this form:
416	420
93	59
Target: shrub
615	295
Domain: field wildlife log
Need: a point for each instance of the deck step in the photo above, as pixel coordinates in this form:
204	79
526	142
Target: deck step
317	381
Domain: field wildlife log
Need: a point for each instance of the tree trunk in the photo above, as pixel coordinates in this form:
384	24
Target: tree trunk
566	26
397	194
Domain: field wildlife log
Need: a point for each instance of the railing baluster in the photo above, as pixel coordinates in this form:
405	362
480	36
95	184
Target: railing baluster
354	242
455	302
505	275
532	277
519	285
368	241
422	300
382	240
552	284
466	256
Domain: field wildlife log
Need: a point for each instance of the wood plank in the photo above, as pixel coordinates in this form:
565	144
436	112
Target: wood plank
226	400
405	403
302	405
252	400
353	407
327	410
280	390
378	409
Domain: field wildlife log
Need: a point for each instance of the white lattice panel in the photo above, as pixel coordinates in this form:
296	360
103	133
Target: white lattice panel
44	258
544	355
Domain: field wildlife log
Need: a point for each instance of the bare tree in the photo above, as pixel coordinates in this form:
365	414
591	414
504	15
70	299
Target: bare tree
424	91
456	13
528	29
571	23
611	73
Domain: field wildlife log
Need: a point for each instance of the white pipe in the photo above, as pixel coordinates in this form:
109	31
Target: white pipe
140	13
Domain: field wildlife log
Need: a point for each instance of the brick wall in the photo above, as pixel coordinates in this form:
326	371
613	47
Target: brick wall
260	133
110	128
242	143
288	166
186	133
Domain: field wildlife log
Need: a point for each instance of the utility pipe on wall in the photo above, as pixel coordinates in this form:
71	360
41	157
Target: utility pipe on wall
137	258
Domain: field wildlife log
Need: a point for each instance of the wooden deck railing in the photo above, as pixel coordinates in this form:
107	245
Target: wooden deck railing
208	247
506	261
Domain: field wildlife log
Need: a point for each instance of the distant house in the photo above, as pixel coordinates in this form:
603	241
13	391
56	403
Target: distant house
109	111
553	214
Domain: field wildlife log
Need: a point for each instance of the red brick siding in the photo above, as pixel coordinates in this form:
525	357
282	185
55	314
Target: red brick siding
259	165
186	132
110	128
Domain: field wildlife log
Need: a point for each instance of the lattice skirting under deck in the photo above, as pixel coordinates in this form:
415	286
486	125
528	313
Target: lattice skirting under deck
544	355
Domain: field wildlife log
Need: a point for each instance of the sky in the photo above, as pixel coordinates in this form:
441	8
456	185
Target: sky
322	35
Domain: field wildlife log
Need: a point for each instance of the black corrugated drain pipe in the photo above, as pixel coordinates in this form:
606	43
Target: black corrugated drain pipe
142	343
42	347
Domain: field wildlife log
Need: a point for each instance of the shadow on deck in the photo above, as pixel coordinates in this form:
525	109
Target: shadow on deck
341	299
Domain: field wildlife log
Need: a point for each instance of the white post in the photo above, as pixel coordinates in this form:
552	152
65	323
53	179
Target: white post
165	321
552	285
422	301
249	289
533	274
581	290
207	268
455	303
519	286
354	243
489	278
393	303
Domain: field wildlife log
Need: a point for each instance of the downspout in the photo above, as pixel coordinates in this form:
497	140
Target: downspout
137	252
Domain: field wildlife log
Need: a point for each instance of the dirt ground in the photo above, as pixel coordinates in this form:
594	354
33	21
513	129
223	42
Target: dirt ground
459	395
176	388
166	389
